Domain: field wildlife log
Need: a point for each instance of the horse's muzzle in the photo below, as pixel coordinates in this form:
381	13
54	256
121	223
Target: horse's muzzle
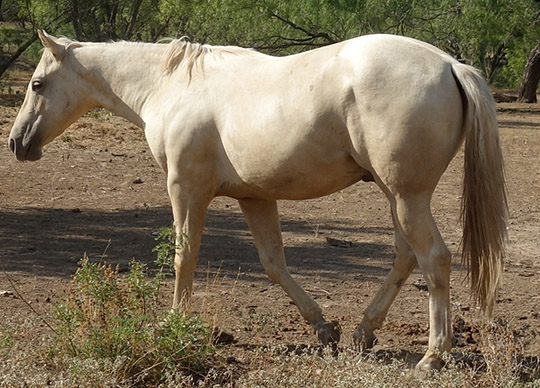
28	152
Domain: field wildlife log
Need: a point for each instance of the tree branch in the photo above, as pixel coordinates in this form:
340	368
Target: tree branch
12	58
59	20
311	36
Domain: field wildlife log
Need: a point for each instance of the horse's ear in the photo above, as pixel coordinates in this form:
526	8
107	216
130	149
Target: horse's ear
51	43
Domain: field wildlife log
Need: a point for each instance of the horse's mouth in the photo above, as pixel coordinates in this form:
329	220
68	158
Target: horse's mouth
29	153
33	153
25	140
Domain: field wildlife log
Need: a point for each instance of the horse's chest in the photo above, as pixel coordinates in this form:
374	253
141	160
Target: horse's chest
155	142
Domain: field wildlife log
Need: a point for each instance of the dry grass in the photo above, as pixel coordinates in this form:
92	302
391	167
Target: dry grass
30	366
27	361
29	357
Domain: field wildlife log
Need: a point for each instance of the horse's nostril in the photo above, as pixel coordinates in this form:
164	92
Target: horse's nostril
12	145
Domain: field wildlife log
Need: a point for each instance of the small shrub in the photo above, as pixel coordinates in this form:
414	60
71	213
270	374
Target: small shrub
116	317
168	242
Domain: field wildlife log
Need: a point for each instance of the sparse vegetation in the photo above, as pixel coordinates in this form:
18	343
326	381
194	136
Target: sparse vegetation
167	242
117	318
99	115
5	343
111	331
270	367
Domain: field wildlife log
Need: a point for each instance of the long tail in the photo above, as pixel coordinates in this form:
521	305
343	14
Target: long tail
484	208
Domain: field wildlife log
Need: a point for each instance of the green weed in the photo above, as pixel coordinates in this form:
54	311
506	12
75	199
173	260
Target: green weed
167	243
116	317
6	342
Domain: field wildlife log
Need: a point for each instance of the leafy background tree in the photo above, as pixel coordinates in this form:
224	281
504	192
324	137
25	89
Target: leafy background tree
496	36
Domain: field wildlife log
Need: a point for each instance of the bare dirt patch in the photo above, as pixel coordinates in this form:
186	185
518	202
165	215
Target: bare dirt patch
98	190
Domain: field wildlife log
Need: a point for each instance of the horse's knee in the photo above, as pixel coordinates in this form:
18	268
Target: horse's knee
184	262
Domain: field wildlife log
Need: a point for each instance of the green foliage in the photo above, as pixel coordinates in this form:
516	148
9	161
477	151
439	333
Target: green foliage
168	242
117	317
183	339
494	35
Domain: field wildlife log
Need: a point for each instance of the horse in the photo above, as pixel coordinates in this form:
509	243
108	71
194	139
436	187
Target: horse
231	121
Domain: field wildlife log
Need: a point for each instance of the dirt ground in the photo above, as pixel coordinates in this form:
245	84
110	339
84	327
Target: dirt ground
98	190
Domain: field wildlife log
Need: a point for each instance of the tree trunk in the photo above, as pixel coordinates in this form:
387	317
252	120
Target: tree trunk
133	19
10	59
75	14
531	76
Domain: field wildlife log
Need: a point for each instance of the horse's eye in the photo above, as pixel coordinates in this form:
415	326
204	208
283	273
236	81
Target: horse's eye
36	85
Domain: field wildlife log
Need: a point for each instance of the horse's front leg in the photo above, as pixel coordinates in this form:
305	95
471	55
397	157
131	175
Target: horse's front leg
263	221
189	209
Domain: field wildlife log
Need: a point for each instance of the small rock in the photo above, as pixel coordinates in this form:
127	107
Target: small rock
420	284
334	242
6	293
221	337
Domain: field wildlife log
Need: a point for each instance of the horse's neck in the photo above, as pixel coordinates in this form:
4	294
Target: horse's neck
126	75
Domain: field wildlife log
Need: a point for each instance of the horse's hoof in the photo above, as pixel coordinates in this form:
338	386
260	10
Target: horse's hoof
329	333
428	364
363	339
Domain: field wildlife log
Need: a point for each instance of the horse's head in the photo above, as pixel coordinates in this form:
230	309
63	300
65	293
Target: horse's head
55	98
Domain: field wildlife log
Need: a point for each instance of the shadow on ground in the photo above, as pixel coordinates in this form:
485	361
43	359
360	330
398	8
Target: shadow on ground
50	242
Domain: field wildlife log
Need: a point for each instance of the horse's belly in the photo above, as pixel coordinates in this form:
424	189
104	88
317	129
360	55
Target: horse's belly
295	182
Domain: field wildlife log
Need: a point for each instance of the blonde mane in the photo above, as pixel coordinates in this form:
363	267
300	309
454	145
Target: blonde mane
182	54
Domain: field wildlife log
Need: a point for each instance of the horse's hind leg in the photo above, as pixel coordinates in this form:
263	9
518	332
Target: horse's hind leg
263	221
418	227
404	263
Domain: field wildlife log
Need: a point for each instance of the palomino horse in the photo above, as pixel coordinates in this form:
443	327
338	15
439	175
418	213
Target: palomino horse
227	121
